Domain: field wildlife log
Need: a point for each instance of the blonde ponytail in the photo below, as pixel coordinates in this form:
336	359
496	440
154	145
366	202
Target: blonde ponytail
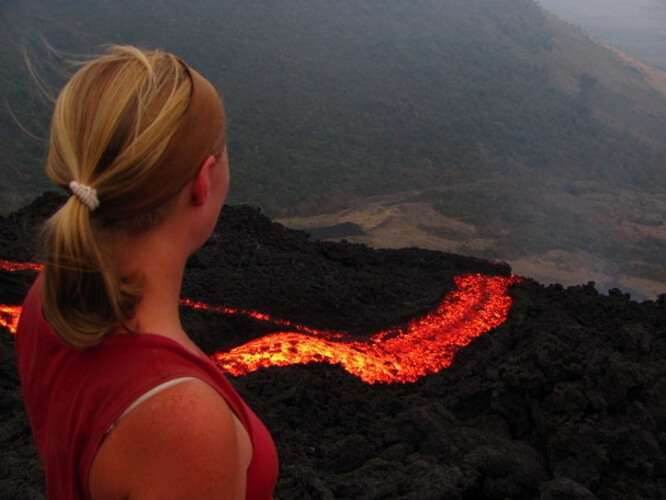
82	297
129	130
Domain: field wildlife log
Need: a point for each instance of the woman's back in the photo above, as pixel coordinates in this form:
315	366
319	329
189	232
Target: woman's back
121	401
74	397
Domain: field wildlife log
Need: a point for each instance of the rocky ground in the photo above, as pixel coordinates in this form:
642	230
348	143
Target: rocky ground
563	400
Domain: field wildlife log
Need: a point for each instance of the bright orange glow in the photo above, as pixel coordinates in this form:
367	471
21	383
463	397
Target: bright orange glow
404	354
261	317
9	316
401	354
6	265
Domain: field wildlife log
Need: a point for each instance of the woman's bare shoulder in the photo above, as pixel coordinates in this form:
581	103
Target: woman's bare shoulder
180	443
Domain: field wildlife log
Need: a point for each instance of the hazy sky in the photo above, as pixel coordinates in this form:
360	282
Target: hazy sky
636	26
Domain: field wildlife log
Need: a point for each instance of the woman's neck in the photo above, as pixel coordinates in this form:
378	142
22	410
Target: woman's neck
160	263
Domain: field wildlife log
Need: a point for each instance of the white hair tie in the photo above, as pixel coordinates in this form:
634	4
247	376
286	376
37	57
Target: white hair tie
86	195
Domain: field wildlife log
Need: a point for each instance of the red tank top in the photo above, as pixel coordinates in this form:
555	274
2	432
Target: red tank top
73	396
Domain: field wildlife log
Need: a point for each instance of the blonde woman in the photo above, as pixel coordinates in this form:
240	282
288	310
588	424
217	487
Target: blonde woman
121	402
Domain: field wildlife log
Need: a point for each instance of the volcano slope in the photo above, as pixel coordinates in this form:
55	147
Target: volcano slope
565	399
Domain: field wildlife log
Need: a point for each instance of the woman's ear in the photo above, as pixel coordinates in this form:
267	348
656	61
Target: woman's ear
201	183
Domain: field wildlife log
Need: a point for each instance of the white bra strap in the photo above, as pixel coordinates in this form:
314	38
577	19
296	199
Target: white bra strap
148	394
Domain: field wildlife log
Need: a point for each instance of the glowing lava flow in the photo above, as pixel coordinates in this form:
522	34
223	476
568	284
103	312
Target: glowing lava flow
9	316
6	265
261	317
425	345
402	354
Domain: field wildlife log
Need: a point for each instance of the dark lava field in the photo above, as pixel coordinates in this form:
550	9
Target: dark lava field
565	399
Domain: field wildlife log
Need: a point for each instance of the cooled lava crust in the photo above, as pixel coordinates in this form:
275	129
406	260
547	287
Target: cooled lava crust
565	399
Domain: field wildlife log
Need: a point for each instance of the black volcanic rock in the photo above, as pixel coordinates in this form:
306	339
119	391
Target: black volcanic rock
564	400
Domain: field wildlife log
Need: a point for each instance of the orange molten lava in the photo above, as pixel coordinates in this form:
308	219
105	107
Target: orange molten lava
259	316
9	316
423	346
402	354
6	265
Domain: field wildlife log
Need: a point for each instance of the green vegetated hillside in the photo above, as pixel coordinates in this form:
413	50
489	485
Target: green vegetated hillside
332	102
636	27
